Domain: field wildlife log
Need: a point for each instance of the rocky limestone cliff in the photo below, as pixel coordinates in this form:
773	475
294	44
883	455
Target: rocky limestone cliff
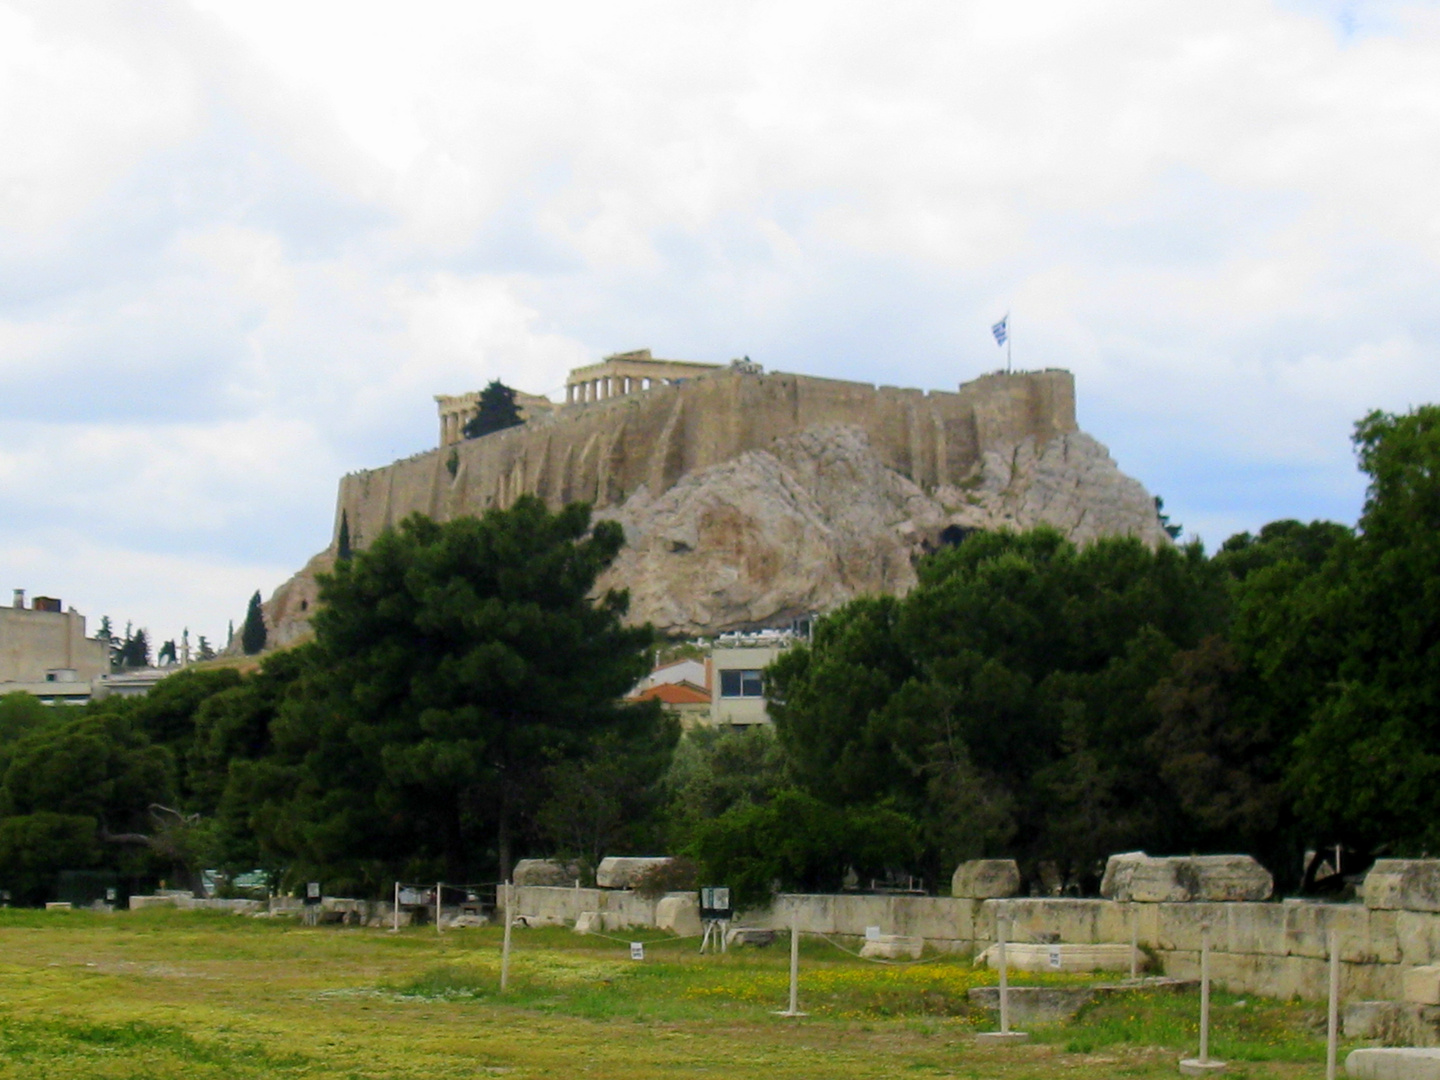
816	518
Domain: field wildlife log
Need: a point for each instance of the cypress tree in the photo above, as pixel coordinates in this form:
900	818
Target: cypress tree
497	411
342	546
252	634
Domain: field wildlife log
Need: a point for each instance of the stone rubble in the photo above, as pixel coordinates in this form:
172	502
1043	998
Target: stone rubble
1142	878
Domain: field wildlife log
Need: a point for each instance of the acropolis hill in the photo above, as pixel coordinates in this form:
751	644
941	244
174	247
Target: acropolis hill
751	498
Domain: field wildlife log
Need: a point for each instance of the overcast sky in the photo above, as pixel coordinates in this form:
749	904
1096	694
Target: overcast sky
243	242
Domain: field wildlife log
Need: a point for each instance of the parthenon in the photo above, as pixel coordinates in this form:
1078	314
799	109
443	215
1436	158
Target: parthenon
626	373
614	376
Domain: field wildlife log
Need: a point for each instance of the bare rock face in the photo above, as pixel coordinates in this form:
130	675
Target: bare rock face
814	520
817	519
288	611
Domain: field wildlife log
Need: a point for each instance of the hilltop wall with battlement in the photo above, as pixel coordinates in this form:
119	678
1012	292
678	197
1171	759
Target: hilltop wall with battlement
603	452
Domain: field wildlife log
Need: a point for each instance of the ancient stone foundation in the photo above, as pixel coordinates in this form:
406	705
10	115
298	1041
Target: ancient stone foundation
1277	949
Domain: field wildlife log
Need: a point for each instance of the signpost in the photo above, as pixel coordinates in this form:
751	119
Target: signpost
715	915
312	903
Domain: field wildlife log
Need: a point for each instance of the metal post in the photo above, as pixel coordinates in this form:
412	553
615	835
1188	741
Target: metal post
396	911
1205	994
1202	1065
505	948
795	965
794	1009
437	906
1134	942
1332	1031
1002	931
1004	1036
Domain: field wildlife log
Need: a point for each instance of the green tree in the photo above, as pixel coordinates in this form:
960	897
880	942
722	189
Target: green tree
796	842
606	798
714	770
134	651
452	664
1367	768
497	411
230	762
1003	704
203	649
253	633
342	545
89	790
35	847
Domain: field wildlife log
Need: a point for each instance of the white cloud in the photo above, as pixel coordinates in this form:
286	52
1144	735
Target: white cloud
242	244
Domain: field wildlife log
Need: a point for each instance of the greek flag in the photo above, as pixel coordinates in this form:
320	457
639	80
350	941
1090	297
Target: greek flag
1001	330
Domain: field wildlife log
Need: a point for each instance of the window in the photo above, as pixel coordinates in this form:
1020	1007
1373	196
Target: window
742	684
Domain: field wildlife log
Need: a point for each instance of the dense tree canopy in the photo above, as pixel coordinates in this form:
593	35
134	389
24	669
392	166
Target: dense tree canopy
1003	703
462	704
453	665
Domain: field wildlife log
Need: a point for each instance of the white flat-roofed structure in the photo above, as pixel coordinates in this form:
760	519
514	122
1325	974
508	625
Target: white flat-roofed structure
46	644
628	373
737	666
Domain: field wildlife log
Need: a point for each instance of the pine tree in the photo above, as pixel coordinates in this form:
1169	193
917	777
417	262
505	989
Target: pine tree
252	634
204	651
342	546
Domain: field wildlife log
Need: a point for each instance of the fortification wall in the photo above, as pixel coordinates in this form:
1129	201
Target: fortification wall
604	451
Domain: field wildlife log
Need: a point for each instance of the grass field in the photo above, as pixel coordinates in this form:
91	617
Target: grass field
161	994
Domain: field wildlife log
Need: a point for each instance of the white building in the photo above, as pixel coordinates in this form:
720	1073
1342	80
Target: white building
737	687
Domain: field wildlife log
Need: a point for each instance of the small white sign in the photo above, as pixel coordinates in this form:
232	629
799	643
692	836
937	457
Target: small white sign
312	890
637	950
872	933
1055	957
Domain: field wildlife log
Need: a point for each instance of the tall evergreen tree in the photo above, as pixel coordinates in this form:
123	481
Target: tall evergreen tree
252	634
498	411
342	546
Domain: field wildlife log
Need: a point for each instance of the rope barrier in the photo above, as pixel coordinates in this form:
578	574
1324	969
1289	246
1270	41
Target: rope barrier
628	941
875	960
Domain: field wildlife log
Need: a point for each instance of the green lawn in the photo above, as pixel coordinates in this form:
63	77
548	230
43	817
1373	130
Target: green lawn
162	994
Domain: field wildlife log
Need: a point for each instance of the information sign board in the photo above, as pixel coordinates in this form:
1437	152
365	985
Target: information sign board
715	902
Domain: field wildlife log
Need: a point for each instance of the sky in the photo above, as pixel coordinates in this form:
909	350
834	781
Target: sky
244	242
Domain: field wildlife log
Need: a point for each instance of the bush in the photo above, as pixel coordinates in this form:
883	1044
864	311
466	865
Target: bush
678	875
797	842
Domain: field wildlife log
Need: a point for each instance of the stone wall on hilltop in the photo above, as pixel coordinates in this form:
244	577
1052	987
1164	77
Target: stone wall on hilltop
749	499
605	451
